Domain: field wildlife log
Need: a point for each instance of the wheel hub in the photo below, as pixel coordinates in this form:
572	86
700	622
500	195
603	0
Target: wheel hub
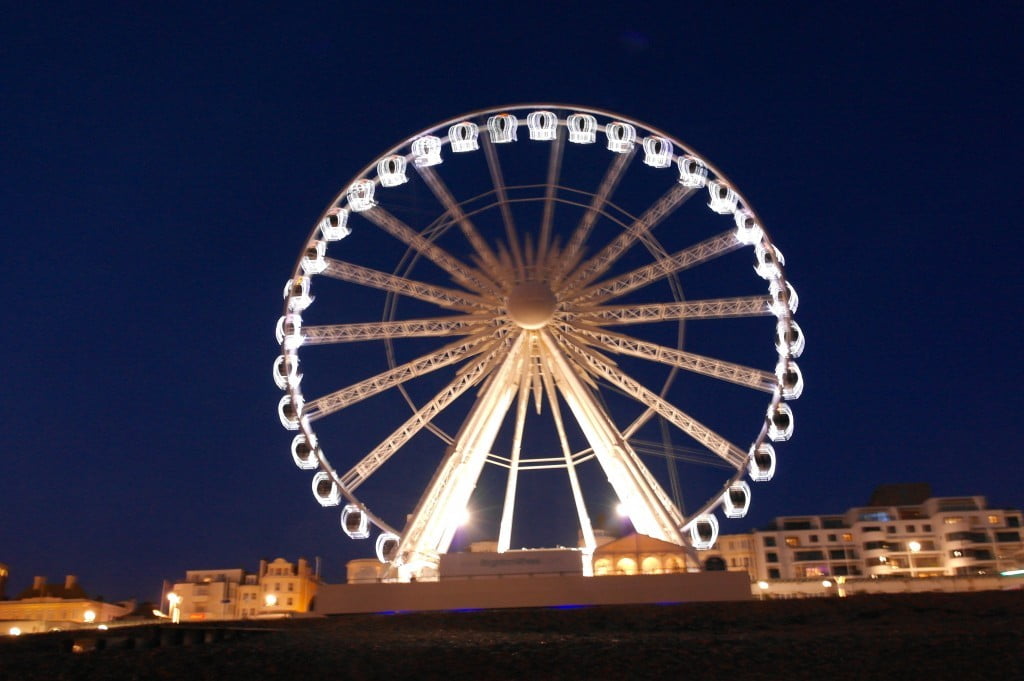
531	304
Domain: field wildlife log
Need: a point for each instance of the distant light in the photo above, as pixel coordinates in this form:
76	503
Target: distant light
762	585
826	583
270	600
173	598
102	627
1012	573
914	546
14	631
160	614
89	616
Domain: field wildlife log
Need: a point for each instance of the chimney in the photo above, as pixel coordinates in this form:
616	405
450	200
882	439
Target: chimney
303	568
38	583
70	581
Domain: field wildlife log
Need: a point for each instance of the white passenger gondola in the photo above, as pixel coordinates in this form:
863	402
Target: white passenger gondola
326	490
657	152
502	128
543	125
582	128
463	136
354	522
391	171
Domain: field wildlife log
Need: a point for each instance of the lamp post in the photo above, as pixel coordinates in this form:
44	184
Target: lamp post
914	547
173	602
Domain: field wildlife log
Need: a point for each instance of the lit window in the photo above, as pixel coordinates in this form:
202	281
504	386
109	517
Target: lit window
792	541
993	520
847	536
953	519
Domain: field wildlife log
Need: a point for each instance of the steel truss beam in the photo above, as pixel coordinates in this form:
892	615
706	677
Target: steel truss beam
445	297
700	364
736	457
449	354
461	325
472	375
677	262
713	308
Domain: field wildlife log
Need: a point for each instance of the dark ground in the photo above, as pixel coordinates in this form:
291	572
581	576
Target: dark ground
921	636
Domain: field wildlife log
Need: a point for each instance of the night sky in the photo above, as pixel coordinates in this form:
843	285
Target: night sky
162	169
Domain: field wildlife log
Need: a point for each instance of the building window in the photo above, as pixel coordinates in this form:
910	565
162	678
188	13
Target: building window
773	573
291	586
289	600
911	529
809	555
792	541
1012	521
772	557
926	528
769	541
847	536
814	539
953	519
1008	536
993	520
890	529
831	537
837	554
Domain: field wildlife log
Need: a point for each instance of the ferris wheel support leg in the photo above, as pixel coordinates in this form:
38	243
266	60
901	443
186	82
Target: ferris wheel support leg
649	507
432	526
508	510
589	542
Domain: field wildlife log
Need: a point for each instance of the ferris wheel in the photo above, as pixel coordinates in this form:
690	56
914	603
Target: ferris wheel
508	290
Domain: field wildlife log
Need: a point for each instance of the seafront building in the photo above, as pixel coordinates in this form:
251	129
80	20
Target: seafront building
915	535
47	606
278	589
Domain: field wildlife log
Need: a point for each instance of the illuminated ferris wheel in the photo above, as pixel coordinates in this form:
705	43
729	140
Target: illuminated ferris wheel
510	289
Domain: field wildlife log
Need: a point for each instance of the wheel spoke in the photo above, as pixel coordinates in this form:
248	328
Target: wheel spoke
386	449
461	325
574	248
498	180
686	423
454	209
712	308
445	297
554	170
699	364
465	276
449	354
677	262
600	263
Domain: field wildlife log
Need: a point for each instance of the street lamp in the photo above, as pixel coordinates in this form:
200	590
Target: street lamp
914	547
173	601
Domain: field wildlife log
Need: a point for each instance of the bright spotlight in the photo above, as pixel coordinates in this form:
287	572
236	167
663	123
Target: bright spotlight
89	616
270	600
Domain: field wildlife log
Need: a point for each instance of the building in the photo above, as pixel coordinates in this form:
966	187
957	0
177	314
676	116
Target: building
279	589
923	536
44	607
3	581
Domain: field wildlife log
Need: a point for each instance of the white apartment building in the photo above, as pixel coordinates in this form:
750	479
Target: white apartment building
280	588
938	536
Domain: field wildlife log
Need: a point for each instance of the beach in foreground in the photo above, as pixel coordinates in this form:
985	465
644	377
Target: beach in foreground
913	636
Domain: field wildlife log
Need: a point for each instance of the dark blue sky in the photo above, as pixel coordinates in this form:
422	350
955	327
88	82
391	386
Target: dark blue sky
162	168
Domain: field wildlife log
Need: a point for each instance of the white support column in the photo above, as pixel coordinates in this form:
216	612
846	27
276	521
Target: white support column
649	507
508	510
432	525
